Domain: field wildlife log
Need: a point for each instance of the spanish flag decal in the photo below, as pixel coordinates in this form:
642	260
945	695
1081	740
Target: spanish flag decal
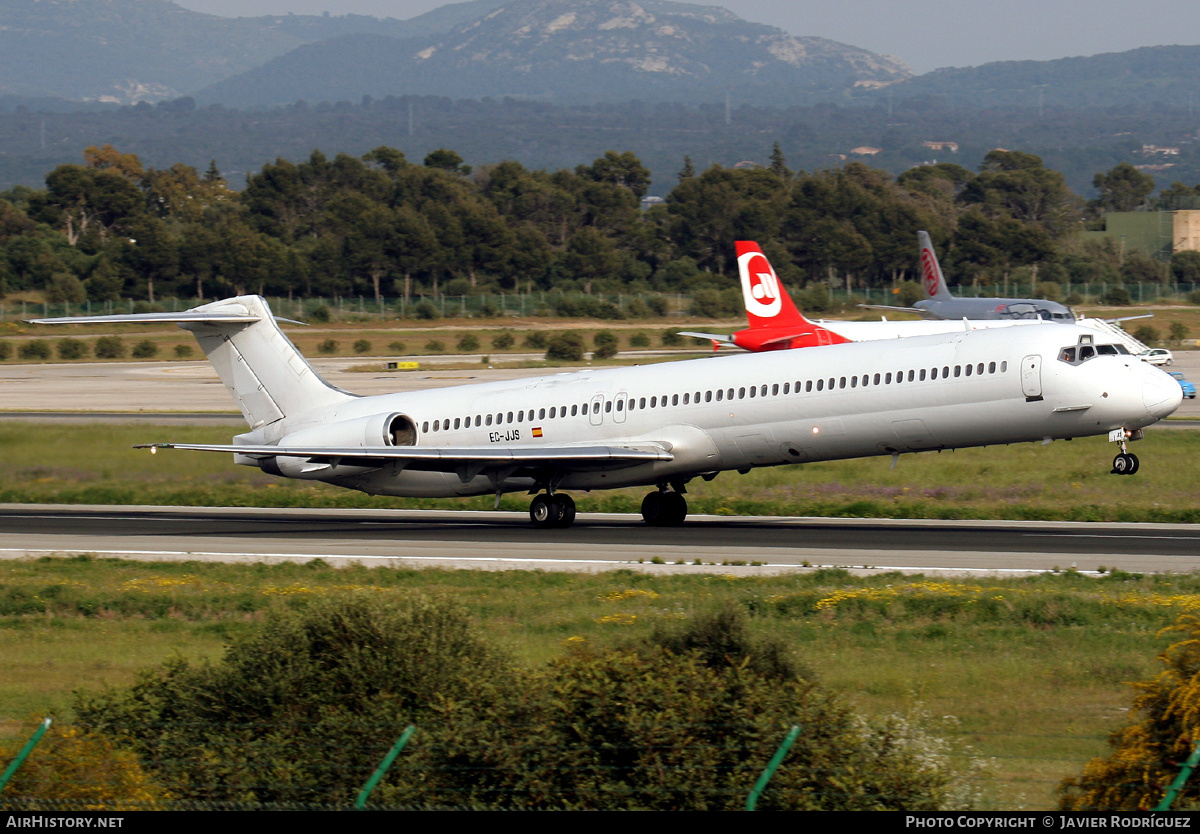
537	432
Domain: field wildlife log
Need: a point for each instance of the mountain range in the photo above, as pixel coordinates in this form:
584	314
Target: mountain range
555	51
564	51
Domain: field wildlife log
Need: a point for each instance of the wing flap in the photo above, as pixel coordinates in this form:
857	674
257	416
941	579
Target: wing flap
448	458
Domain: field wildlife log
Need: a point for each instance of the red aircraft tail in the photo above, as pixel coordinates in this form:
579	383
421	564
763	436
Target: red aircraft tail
775	322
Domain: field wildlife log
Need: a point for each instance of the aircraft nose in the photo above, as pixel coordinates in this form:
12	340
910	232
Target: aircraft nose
1161	394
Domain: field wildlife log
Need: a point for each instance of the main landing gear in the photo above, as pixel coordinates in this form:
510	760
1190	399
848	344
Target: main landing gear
548	511
1124	463
663	508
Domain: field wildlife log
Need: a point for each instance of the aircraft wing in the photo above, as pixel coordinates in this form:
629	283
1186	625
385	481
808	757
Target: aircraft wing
449	458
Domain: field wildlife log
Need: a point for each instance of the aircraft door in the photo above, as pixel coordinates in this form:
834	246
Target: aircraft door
596	415
1031	377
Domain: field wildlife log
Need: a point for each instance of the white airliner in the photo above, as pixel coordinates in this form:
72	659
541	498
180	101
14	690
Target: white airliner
777	324
664	425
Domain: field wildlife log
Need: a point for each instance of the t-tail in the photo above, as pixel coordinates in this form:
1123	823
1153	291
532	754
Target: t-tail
767	302
266	376
931	271
775	321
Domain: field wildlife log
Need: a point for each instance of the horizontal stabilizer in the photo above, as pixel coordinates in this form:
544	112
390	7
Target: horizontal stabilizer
185	317
886	307
723	338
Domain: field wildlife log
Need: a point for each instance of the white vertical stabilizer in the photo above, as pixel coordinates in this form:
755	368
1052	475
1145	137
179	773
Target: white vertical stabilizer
266	376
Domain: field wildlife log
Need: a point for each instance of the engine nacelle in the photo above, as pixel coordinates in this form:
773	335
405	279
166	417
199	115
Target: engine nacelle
374	430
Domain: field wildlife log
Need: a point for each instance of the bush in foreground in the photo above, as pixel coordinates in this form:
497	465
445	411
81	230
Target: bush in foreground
302	711
1146	756
685	720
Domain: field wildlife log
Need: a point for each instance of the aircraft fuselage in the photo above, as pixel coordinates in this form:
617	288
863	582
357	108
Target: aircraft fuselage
736	412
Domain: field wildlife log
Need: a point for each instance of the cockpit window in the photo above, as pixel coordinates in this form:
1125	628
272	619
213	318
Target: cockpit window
1075	354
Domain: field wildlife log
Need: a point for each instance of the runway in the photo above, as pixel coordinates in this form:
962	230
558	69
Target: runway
498	541
136	391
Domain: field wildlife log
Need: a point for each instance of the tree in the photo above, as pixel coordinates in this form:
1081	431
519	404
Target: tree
1017	185
778	165
447	160
623	169
1124	188
1145	756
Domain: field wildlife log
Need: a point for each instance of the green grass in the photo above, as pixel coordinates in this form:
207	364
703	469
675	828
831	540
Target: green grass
1029	674
1032	673
95	464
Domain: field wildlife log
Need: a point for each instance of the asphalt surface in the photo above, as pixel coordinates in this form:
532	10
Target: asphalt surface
408	538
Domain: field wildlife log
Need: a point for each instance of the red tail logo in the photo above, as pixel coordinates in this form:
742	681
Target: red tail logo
929	272
764	285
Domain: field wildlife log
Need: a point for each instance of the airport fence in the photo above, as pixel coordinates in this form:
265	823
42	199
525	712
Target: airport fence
605	306
709	767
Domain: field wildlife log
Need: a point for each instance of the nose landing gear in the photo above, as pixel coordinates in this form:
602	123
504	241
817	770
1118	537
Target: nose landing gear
1124	463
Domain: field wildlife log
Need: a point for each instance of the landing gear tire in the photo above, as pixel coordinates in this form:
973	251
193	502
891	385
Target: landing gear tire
1125	464
550	511
568	510
664	509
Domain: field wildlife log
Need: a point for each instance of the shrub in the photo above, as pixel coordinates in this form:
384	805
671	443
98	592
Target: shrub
1146	334
109	347
535	339
34	349
505	340
816	297
328	346
435	346
1117	296
467	343
69	349
658	305
303	709
318	313
145	349
671	338
396	347
427	310
1146	755
715	304
639	340
5	350
565	347
682	723
362	346
183	351
72	769
606	344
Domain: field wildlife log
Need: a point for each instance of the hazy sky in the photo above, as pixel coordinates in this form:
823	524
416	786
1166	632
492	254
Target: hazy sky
926	34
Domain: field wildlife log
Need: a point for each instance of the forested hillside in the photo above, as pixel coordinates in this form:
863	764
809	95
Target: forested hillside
381	225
